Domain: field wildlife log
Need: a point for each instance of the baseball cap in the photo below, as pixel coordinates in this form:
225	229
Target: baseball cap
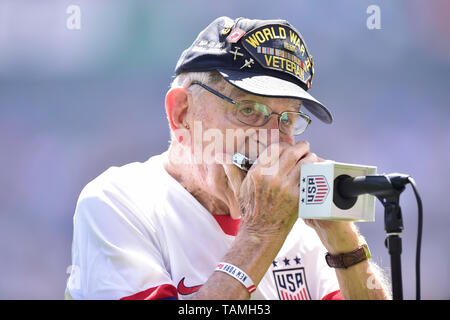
262	57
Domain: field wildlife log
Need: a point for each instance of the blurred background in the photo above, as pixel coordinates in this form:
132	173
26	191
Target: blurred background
77	97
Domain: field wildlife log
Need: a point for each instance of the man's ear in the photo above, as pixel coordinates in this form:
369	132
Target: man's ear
176	107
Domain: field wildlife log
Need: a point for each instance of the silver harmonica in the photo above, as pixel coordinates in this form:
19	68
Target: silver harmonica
242	162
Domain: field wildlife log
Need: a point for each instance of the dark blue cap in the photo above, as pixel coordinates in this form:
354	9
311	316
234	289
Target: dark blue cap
262	57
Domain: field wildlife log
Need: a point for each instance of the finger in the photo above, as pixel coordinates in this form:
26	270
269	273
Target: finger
292	155
234	175
309	222
310	157
319	159
294	174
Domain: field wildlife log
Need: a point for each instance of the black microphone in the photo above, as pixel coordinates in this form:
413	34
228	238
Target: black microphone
347	189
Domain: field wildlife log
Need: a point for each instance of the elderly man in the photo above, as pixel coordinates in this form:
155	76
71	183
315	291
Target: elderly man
189	224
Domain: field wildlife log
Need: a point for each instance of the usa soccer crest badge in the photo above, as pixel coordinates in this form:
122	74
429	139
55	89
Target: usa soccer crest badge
314	189
291	284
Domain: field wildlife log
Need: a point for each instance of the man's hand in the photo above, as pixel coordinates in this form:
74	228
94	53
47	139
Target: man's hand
268	194
268	205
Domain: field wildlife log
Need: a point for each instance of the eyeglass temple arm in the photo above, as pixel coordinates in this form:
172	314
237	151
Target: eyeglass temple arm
217	93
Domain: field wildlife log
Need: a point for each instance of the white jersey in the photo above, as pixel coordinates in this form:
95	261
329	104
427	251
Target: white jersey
138	234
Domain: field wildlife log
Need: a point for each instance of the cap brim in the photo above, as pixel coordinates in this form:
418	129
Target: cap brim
269	86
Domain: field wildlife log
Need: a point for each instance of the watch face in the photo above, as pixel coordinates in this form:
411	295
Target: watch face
367	251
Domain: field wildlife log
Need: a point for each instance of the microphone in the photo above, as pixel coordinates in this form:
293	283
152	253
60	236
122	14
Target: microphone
347	188
340	191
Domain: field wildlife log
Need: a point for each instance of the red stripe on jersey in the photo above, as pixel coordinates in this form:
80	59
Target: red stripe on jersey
160	292
229	225
335	295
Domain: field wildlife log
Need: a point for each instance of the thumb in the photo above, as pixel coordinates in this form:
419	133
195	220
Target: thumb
319	159
234	175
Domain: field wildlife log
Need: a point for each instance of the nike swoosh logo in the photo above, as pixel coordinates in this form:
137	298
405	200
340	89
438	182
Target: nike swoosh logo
183	290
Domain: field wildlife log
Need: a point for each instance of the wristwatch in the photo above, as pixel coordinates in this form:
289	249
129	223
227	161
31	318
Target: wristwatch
345	260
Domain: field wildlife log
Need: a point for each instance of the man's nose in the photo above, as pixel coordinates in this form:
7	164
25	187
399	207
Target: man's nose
273	124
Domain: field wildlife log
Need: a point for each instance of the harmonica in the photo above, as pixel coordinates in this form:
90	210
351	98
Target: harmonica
242	162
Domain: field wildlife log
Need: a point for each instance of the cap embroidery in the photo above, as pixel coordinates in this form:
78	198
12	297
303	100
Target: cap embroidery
235	35
248	63
236	52
280	48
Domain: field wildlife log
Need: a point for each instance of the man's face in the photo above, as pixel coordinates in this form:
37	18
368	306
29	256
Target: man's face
217	128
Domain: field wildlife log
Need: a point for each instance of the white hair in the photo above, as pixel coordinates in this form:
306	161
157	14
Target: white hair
211	78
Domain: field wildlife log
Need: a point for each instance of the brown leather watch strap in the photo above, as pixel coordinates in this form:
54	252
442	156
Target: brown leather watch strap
345	260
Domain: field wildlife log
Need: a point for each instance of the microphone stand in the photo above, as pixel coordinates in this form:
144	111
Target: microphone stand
393	224
387	188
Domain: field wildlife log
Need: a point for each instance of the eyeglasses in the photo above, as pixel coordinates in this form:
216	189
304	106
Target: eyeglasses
256	114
